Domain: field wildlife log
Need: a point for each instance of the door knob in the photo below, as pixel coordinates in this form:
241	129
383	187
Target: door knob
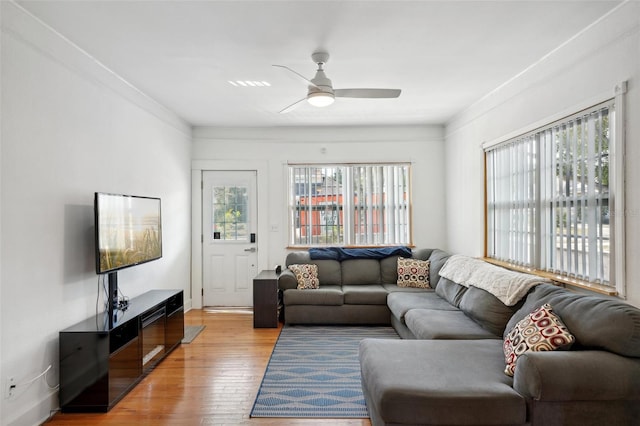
252	249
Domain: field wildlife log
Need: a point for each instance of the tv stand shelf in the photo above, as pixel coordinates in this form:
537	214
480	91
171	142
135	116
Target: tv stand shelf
100	363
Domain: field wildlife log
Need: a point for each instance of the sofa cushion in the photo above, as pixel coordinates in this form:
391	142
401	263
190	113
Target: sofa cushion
431	382
299	257
389	265
325	295
413	273
541	330
329	271
437	260
487	309
450	291
422	254
595	321
365	294
360	271
306	275
389	270
401	302
434	324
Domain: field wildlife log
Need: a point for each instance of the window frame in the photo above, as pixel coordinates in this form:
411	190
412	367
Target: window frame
617	281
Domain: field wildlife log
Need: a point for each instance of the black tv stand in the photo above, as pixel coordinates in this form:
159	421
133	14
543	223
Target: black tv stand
102	358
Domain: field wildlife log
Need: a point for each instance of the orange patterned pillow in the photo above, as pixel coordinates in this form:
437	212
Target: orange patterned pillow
413	273
307	276
541	330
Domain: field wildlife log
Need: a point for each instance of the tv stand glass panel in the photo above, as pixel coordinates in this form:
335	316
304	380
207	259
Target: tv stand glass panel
153	337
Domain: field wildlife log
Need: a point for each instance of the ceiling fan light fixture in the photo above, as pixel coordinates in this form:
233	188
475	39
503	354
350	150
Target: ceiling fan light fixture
320	99
320	91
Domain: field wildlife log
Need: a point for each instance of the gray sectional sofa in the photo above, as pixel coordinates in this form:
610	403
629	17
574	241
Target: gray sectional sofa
352	291
449	369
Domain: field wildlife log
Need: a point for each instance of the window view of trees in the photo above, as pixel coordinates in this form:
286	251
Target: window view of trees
581	200
230	213
548	203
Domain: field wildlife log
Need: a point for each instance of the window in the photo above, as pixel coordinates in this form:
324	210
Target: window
230	213
551	198
349	204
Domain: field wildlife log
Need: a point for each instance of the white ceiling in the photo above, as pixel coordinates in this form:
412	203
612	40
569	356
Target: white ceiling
444	55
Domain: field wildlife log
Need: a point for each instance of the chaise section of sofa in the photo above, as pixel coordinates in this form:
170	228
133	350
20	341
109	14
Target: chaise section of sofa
453	373
438	382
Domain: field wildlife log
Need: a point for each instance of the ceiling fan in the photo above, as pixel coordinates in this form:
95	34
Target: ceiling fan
321	92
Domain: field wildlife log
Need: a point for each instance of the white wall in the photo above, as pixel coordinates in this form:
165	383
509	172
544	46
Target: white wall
268	150
69	128
584	69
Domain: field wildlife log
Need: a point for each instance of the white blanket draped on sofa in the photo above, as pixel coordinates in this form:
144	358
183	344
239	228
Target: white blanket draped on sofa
508	286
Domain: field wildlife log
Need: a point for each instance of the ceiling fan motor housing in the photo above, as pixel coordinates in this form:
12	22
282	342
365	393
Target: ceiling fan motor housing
323	84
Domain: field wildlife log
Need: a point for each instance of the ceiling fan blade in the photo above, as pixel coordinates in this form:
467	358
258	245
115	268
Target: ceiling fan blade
366	93
293	106
297	74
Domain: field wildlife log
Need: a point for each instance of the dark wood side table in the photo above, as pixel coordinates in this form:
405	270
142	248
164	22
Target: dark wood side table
265	299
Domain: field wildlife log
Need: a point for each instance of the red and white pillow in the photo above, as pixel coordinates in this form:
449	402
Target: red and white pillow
541	330
307	276
413	273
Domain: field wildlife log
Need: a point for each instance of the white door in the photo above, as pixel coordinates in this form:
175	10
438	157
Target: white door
229	247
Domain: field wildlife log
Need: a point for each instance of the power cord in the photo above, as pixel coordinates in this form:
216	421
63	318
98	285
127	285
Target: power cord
106	293
26	384
98	295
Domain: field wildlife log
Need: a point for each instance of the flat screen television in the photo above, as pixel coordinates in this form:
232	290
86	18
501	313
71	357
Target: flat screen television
128	230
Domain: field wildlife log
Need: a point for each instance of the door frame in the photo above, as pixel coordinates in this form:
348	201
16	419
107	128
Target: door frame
199	166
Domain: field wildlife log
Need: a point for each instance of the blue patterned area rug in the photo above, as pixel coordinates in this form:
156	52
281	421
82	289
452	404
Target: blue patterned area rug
314	372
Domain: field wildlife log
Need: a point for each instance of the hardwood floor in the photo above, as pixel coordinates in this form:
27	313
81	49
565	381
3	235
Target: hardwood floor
211	381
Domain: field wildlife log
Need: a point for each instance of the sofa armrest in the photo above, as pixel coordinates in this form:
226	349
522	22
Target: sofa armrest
577	375
287	280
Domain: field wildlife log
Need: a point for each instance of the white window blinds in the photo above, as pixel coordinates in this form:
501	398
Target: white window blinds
354	204
575	196
548	203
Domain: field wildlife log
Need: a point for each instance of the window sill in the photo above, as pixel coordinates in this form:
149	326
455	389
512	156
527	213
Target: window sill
565	281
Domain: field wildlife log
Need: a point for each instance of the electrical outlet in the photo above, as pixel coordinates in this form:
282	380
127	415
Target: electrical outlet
11	387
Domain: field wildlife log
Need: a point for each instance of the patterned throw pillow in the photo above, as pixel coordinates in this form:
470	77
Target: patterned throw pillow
541	330
413	273
307	276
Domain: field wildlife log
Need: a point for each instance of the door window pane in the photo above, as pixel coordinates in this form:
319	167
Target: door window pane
230	214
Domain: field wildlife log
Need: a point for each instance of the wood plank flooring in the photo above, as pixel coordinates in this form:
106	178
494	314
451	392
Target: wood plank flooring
211	381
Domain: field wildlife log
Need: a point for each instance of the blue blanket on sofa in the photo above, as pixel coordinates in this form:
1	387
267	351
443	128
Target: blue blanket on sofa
340	254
